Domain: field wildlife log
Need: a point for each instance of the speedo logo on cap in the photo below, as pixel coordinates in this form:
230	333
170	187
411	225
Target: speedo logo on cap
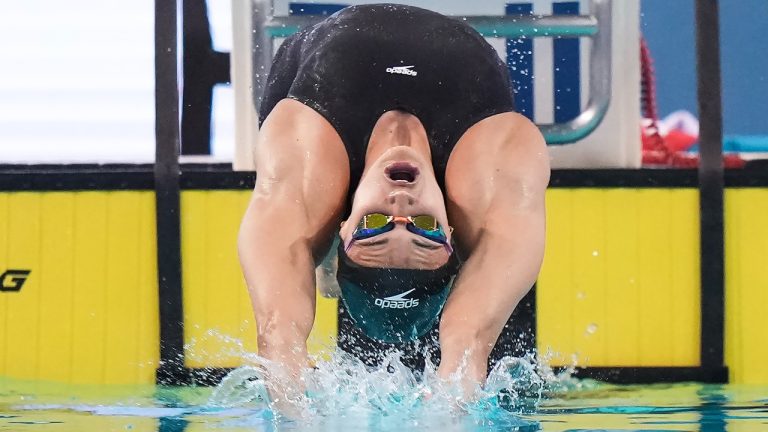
397	301
402	70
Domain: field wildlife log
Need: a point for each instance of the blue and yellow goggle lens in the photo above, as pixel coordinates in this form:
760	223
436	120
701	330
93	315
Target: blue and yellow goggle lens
377	223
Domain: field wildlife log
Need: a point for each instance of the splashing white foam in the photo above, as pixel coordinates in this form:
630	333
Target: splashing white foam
344	389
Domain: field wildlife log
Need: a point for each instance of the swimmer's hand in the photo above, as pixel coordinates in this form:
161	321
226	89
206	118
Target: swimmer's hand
463	367
285	382
259	383
287	393
447	395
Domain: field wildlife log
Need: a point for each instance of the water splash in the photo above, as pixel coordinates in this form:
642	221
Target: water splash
391	395
241	387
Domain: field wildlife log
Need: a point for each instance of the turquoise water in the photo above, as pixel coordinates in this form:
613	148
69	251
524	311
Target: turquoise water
344	396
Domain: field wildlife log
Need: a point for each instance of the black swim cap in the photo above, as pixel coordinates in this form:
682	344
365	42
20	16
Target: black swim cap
394	305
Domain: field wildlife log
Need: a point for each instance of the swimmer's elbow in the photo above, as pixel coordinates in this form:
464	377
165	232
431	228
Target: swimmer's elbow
270	187
262	226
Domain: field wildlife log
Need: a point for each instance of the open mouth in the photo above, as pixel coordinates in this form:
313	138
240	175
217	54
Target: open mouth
402	172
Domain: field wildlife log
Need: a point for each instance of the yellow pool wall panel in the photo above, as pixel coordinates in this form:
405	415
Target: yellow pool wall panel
219	326
746	275
619	285
88	312
620	281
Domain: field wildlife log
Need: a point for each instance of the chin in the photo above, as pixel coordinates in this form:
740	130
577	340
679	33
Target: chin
405	153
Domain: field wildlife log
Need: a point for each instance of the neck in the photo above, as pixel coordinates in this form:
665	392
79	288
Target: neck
397	128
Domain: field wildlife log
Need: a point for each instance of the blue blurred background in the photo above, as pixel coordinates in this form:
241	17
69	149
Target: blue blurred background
76	82
668	26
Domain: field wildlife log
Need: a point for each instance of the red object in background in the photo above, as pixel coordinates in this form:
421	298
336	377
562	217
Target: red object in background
669	150
678	141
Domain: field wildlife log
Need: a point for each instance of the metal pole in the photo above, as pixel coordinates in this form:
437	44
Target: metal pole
710	183
261	47
167	193
600	87
487	25
597	26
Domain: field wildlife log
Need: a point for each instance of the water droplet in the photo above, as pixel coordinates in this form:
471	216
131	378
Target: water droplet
595	253
591	328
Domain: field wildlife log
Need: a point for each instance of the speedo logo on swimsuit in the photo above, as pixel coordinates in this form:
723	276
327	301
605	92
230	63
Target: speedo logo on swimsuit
402	70
397	301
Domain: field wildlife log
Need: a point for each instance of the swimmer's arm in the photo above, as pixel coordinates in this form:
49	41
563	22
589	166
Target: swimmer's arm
496	197
295	207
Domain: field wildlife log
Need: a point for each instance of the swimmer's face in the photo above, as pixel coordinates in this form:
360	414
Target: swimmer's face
400	182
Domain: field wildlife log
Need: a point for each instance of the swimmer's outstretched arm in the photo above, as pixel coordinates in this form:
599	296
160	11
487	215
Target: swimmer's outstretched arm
496	180
302	181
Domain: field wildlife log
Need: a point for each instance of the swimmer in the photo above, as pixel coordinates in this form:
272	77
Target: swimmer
391	129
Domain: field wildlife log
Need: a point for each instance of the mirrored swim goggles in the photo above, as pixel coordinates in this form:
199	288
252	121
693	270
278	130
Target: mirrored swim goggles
424	225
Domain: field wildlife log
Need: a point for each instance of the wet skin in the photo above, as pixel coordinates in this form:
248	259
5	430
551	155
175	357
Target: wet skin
495	182
398	180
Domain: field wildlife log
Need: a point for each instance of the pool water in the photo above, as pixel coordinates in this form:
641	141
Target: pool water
344	396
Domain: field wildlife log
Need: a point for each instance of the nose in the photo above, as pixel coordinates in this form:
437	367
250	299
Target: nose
401	202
